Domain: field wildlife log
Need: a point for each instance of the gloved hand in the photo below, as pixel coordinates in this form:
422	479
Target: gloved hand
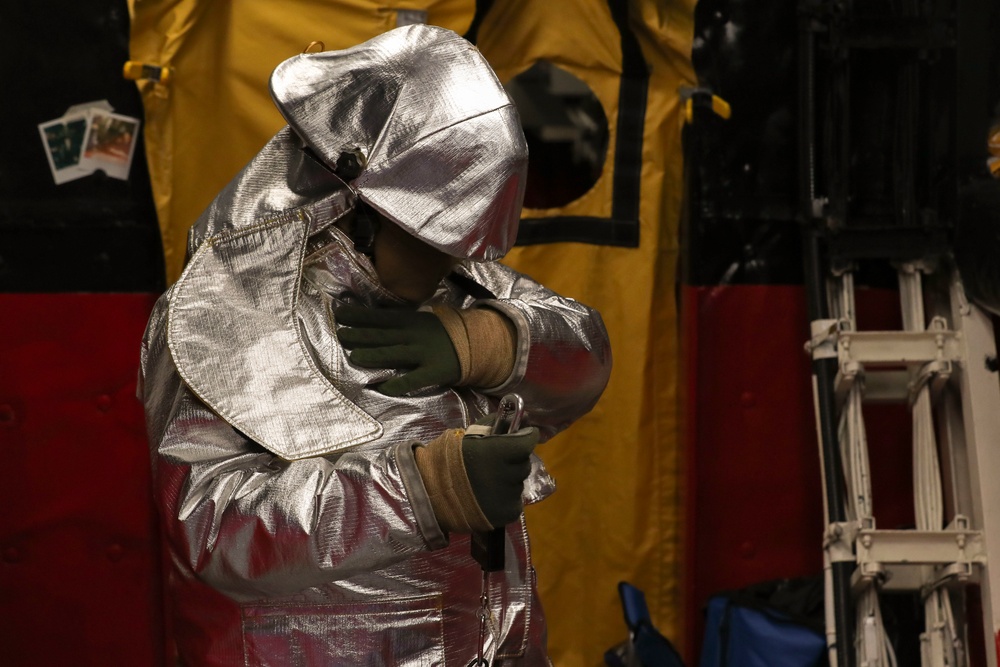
497	466
403	339
475	481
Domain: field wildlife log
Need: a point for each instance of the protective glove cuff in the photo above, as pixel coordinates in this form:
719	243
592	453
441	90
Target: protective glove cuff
484	341
442	468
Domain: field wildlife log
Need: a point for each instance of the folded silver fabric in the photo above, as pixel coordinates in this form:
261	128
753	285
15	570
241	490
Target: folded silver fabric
438	142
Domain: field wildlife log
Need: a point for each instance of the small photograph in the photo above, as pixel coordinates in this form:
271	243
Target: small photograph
109	143
85	107
63	139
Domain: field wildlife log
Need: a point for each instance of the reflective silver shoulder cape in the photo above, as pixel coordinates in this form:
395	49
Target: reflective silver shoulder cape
444	157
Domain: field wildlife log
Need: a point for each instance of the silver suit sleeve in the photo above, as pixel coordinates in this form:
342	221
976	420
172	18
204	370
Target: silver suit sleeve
563	359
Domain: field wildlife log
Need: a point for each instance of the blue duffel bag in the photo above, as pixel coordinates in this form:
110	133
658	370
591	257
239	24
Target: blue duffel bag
772	624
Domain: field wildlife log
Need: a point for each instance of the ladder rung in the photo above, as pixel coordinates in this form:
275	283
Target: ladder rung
893	348
924	547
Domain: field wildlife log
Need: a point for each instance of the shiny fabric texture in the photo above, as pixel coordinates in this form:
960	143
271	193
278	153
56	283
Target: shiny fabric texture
327	559
221	320
433	125
209	120
298	528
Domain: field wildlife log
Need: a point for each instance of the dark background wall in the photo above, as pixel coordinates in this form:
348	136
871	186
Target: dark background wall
884	151
95	234
80	267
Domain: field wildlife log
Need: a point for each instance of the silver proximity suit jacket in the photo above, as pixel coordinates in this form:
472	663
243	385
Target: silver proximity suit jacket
298	529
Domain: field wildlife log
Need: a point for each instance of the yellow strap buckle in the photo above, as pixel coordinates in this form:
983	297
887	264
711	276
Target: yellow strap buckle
993	143
135	71
704	96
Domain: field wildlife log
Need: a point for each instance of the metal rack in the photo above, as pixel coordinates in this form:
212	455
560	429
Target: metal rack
895	66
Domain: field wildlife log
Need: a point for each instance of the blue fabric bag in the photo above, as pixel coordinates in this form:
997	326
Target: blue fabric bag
645	647
774	624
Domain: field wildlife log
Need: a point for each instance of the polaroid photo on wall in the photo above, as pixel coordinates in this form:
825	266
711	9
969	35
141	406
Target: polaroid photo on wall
87	106
63	140
109	143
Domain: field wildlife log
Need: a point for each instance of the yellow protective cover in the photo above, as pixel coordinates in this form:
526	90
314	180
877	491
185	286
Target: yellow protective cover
617	513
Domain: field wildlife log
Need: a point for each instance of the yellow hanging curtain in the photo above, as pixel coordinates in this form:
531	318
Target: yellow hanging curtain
214	112
617	514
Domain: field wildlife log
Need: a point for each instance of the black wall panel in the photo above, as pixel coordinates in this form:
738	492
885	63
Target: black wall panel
96	233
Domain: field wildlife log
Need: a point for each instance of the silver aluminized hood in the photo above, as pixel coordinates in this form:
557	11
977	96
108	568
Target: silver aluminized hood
438	142
443	155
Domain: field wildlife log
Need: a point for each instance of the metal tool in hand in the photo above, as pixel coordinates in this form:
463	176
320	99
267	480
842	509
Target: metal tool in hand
489	548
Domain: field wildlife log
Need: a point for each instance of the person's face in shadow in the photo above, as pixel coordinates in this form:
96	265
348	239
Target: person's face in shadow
406	266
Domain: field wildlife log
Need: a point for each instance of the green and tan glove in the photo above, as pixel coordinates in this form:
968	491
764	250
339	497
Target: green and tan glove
412	341
447	347
475	481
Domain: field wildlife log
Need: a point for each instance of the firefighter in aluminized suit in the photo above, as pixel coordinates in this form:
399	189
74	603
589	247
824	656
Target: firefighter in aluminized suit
340	322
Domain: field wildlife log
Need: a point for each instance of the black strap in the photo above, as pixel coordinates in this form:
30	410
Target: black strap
470	286
579	229
631	120
724	634
482	7
622	228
